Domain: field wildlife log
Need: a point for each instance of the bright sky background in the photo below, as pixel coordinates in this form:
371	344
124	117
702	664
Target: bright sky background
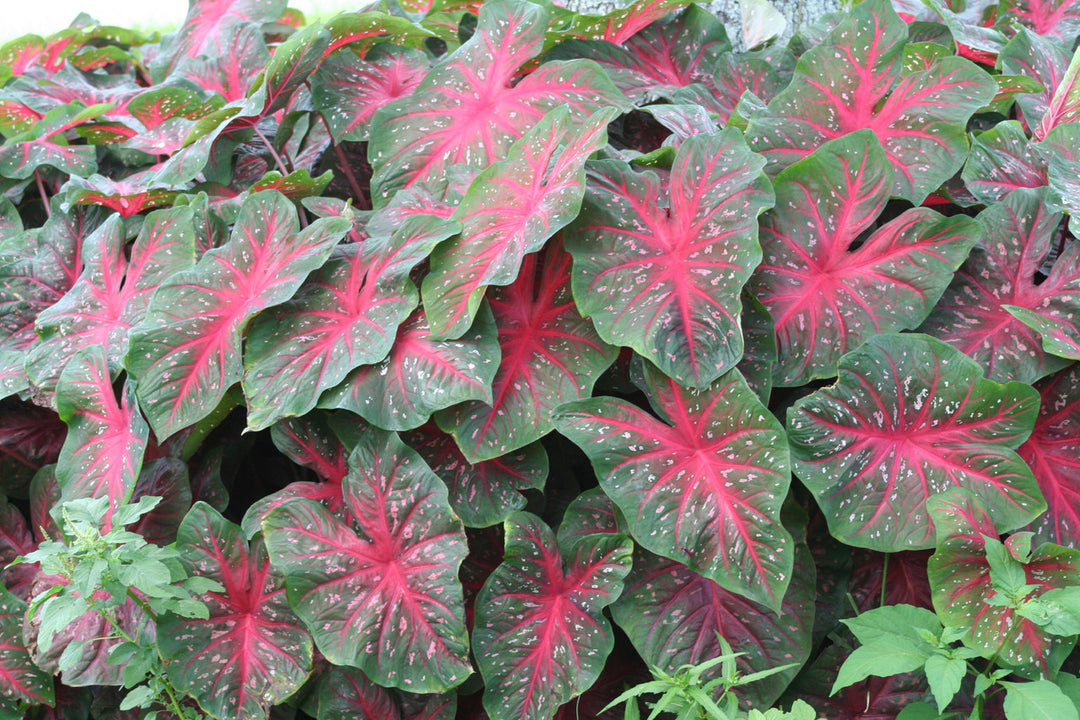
47	16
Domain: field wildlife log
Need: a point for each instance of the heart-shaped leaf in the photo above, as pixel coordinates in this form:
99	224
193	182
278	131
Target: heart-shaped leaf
827	293
909	417
509	211
1054	457
1003	159
421	375
103	452
20	678
854	80
1058	19
345	316
660	269
186	353
487	492
251	652
43	271
348	89
460	115
960	575
999	291
703	488
112	293
392	567
541	637
550	354
662	57
673	616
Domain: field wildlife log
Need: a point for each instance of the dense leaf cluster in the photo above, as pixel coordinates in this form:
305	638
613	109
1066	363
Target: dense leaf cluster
404	366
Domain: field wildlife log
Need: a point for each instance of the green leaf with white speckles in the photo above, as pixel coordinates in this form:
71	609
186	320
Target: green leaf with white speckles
659	267
103	451
421	375
909	417
394	566
550	355
672	615
469	109
827	292
704	488
20	678
960	576
854	80
540	635
186	353
252	651
1000	301
346	315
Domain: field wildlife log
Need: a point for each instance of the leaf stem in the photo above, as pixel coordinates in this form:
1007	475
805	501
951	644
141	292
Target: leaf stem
884	577
359	198
41	191
278	160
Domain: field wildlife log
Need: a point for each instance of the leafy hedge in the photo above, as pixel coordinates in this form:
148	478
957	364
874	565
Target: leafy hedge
450	360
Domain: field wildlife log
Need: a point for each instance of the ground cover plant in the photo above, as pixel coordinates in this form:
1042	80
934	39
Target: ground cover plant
459	360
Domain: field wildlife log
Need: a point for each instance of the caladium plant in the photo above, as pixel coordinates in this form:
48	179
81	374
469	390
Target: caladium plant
477	359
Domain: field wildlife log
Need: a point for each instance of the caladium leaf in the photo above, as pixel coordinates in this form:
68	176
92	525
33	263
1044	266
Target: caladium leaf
1058	19
112	293
458	115
165	478
348	89
705	487
1003	159
825	297
763	73
1062	149
960	575
347	315
1054	457
1065	102
673	615
251	652
854	80
510	210
16	539
30	439
550	355
186	353
422	375
44	273
590	513
759	355
1040	59
20	678
909	417
130	196
394	566
661	269
662	57
1000	280
103	452
616	26
485	493
203	30
345	693
540	634
361	30
232	73
312	442
45	144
